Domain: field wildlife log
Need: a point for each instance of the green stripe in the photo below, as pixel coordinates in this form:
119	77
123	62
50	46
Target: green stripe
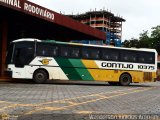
82	71
69	67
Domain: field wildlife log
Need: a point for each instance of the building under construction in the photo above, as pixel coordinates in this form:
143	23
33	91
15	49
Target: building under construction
105	21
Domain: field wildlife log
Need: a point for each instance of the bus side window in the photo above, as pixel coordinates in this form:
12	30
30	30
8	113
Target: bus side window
105	56
128	56
85	53
146	57
54	51
94	53
75	52
42	50
109	54
64	51
151	58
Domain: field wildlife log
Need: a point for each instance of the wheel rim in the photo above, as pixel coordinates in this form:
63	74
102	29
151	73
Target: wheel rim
125	79
40	76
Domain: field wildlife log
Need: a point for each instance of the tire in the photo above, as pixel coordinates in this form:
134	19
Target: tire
113	83
125	79
40	76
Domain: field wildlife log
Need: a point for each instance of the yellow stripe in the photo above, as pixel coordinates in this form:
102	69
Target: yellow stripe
91	64
113	75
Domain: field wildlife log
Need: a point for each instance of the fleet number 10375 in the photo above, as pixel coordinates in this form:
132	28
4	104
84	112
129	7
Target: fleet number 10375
146	67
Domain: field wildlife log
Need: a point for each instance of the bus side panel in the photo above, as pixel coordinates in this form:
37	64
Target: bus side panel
104	75
137	76
29	70
56	73
52	67
74	69
17	72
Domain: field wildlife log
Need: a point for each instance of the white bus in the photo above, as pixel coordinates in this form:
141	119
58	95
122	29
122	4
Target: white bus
43	60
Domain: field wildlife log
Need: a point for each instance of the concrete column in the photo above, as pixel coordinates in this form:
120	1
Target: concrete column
3	45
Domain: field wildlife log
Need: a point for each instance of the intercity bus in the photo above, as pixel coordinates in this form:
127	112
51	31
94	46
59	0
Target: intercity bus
43	60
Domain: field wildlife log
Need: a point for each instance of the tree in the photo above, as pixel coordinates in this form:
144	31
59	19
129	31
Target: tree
131	43
155	36
144	40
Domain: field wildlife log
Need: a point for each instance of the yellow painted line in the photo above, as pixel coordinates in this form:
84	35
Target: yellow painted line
5	102
84	112
17	105
57	101
90	101
62	101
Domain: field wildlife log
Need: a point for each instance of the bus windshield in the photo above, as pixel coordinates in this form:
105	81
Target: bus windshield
9	54
22	53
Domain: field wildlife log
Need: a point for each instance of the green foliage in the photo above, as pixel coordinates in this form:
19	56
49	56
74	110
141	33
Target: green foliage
145	40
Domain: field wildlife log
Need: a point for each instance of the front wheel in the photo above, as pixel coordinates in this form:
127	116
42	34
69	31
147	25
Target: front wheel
40	76
125	79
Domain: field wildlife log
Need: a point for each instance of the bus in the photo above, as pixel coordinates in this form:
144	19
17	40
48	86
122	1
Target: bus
43	60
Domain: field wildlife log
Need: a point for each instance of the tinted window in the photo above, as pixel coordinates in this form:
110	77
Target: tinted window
110	54
146	57
64	51
128	56
23	53
94	53
53	50
85	53
43	49
47	50
75	52
9	54
90	53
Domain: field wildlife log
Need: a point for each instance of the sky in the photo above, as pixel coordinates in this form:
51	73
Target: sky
139	14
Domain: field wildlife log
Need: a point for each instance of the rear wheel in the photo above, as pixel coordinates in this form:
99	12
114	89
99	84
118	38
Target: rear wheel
40	76
125	79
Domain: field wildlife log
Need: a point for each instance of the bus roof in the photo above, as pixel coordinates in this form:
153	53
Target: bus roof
80	44
26	39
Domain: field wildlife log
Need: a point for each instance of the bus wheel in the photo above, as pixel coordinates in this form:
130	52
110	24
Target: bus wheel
113	83
40	76
125	79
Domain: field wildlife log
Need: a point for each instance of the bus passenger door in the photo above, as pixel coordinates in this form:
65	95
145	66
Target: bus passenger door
22	57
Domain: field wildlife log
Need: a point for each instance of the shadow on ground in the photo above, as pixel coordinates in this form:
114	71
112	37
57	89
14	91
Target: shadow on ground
63	82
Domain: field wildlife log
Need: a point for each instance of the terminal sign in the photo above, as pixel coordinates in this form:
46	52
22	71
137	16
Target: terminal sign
30	8
15	3
38	11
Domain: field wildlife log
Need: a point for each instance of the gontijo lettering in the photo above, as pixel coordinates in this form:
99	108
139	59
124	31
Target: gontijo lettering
117	65
126	66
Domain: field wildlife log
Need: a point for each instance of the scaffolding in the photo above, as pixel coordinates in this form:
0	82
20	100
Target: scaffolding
104	21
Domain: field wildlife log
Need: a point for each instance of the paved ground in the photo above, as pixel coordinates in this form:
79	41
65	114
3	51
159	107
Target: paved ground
20	100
